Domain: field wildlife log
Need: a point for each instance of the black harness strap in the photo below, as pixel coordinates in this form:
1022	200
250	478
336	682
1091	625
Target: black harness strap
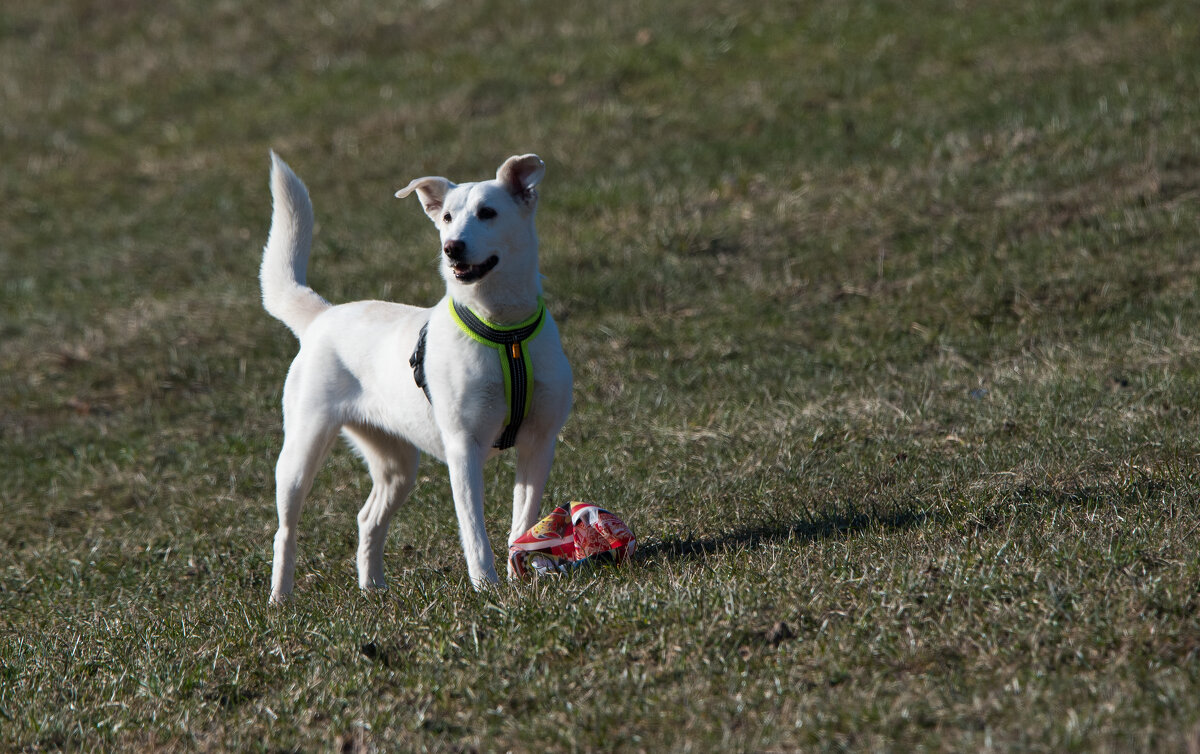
417	361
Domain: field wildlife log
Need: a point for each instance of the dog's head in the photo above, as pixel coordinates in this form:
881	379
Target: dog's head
486	228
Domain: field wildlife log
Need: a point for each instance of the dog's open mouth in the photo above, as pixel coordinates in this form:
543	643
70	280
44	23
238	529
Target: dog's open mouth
469	273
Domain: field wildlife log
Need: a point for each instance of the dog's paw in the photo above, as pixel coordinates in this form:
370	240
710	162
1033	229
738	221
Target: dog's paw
485	581
372	583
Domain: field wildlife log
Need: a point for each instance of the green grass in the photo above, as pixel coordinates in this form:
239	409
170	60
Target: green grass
884	322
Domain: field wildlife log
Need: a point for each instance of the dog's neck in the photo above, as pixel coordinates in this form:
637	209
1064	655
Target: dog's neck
502	300
508	309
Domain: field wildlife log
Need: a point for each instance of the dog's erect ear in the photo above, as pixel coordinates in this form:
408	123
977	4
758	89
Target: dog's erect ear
520	174
431	190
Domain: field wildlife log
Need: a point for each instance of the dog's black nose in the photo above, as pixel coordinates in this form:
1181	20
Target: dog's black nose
455	250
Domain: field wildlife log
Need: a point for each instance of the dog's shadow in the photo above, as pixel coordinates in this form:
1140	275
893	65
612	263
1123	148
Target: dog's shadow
830	526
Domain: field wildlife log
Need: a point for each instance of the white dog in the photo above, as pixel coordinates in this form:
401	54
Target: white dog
488	355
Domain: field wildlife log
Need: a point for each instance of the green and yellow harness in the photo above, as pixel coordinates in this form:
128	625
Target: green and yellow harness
515	360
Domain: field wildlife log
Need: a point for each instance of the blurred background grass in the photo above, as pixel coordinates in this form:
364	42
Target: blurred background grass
883	323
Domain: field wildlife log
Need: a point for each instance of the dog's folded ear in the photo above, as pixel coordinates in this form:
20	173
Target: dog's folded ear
520	174
431	190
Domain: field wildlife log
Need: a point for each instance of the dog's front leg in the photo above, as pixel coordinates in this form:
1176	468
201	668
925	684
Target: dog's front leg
533	469
466	483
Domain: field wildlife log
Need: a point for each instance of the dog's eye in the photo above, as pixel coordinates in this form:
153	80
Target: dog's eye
446	217
485	213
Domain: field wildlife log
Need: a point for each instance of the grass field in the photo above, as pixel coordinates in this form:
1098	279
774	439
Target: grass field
886	339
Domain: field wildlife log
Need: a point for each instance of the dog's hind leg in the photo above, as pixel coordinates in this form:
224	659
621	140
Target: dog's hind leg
304	448
393	466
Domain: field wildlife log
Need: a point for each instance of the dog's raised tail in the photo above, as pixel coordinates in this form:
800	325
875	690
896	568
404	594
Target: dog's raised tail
285	257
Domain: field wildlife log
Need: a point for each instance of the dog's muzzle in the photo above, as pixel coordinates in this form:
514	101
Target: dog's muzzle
470	273
455	250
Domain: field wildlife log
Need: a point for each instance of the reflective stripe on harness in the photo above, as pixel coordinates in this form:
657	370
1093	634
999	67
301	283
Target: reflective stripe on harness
515	360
